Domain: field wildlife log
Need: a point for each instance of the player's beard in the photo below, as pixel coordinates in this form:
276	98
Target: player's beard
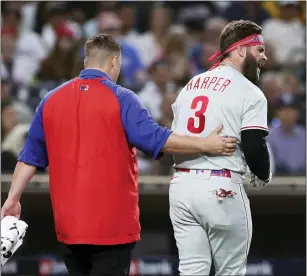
250	68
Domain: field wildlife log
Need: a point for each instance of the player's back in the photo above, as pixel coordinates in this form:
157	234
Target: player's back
211	98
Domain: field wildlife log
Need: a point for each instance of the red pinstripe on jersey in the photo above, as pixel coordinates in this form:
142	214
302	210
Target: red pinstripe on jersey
254	127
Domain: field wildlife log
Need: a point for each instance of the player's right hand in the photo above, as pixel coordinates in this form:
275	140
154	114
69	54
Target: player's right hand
220	146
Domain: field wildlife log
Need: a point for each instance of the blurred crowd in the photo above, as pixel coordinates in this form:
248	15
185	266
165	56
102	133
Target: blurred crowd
164	44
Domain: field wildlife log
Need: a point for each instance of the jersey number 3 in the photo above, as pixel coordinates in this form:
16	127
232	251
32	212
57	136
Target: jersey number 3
199	114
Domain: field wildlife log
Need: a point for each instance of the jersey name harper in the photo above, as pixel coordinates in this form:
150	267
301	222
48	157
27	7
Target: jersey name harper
225	96
215	83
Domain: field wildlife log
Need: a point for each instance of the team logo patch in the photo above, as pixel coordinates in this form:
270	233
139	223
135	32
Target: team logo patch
221	194
83	87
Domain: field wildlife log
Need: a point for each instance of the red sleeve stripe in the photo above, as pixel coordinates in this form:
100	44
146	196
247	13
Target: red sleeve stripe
255	127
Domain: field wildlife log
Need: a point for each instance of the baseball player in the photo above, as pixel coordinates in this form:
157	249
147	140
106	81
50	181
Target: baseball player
209	208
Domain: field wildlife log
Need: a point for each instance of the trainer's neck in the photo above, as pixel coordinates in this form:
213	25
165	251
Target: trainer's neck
102	69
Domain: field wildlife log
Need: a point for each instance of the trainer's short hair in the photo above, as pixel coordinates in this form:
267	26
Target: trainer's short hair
237	30
101	45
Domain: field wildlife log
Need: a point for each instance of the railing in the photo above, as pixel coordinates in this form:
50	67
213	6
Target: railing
159	185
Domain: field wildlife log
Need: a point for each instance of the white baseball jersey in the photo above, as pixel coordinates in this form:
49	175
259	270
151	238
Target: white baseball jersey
225	96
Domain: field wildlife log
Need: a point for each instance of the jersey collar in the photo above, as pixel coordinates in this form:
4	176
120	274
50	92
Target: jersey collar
92	74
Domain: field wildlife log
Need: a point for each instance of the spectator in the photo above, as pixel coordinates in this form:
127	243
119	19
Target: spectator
288	140
132	70
127	14
222	6
23	112
90	26
27	47
8	45
286	34
271	64
193	15
199	54
199	58
270	84
29	12
175	52
57	17
208	51
49	75
76	15
166	110
11	147
213	29
8	119
78	57
291	89
164	166
62	64
144	163
151	43
154	90
251	10
290	86
59	64
273	8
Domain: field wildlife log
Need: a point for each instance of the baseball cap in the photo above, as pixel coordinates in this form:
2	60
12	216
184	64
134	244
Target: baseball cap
64	31
287	101
8	30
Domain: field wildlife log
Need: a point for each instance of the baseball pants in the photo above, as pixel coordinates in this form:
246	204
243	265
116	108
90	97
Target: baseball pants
211	218
94	260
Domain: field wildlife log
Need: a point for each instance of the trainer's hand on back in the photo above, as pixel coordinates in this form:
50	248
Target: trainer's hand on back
218	145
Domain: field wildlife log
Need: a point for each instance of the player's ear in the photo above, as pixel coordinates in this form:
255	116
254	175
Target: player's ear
241	51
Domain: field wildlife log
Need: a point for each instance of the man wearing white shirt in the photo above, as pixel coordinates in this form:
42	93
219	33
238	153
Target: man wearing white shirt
28	52
152	92
149	43
286	34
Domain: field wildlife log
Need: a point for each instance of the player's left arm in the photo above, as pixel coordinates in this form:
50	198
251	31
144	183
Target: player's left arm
254	131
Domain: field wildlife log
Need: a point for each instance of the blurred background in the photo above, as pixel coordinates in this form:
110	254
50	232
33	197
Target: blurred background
164	44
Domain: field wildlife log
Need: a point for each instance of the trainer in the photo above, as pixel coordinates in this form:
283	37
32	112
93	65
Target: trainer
87	131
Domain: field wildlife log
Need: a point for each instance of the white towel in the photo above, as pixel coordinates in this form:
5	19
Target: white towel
13	231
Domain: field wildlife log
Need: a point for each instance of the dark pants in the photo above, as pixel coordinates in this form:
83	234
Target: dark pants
97	260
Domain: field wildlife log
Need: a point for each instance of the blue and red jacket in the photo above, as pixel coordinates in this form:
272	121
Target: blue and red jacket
87	131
